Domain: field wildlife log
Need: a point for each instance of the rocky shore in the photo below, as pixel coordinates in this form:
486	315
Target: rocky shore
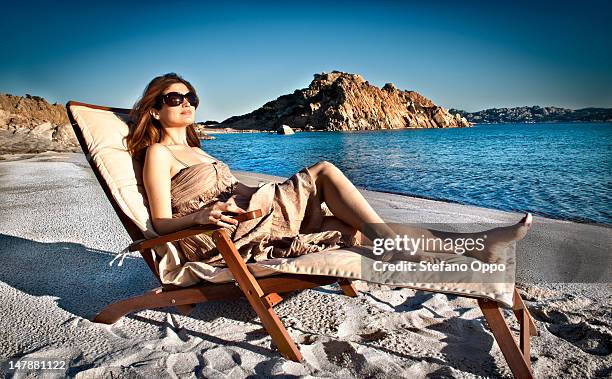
29	124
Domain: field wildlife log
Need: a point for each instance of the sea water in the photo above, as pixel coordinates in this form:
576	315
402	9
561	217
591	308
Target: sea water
559	170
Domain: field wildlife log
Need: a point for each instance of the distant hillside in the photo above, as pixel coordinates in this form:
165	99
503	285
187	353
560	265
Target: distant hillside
342	101
536	114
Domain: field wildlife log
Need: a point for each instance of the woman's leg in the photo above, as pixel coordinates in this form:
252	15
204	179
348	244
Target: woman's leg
351	236
346	203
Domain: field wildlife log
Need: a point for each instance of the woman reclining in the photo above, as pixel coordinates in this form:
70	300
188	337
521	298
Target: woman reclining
185	186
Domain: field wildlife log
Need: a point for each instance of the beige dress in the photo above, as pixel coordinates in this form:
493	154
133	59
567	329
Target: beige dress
291	222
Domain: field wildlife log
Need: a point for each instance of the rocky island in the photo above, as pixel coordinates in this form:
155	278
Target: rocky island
343	101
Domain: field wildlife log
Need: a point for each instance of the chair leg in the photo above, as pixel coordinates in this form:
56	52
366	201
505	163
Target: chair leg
256	297
113	312
519	305
159	298
519	364
524	342
348	288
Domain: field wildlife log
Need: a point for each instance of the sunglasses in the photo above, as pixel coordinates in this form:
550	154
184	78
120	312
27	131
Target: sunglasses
174	99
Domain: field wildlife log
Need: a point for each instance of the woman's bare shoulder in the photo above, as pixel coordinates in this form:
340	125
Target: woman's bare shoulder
157	153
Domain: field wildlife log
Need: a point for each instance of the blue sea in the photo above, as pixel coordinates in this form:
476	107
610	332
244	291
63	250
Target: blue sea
560	170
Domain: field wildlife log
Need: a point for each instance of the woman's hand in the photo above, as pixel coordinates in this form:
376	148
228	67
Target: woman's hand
214	215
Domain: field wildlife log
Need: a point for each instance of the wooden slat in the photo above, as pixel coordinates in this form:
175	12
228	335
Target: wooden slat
293	282
158	299
191	231
171	237
272	299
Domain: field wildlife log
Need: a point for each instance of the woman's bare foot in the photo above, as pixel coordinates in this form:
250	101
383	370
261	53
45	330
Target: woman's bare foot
498	239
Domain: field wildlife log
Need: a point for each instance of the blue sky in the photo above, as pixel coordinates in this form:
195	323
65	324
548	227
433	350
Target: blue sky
239	55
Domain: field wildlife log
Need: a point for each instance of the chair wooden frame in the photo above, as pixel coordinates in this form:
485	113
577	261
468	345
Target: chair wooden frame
264	293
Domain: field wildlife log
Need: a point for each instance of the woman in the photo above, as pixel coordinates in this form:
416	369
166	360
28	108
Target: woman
186	186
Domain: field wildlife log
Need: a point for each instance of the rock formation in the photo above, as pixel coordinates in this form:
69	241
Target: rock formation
200	129
342	101
285	130
29	124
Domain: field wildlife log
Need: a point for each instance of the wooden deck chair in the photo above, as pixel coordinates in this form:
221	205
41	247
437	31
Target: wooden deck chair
100	131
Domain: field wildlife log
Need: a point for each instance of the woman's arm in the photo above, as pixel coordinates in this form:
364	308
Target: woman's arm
156	178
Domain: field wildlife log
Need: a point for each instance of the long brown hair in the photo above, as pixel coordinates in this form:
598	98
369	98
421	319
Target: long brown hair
146	130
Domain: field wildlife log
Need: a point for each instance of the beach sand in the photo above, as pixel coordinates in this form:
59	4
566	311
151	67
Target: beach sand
58	233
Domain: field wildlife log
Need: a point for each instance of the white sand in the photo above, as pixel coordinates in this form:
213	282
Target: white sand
58	233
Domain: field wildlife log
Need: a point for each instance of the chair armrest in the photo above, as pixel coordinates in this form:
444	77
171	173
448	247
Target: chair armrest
191	231
171	237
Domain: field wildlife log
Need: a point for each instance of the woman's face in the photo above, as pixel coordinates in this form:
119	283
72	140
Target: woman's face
178	116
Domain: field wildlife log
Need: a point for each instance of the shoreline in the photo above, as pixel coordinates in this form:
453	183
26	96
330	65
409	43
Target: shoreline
237	131
535	213
231	131
541	122
71	233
